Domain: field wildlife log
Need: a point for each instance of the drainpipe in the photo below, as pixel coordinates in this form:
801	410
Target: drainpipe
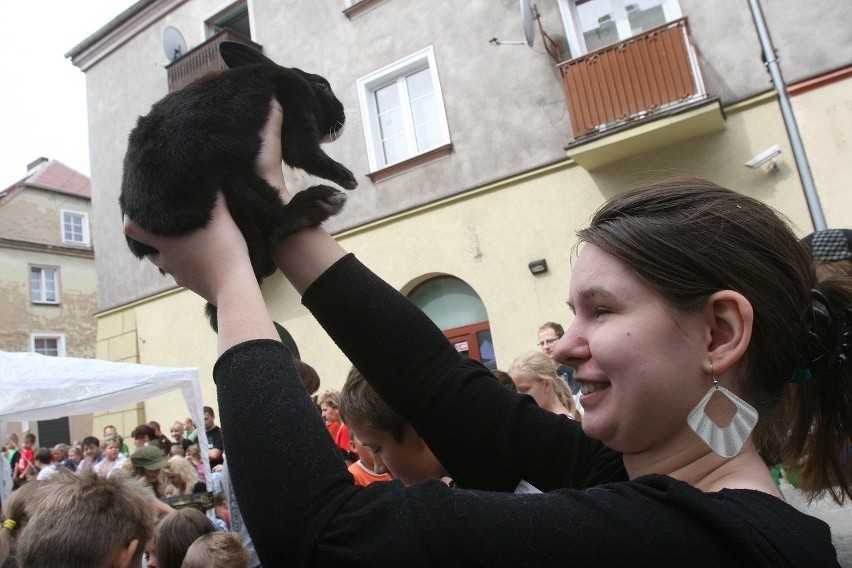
805	175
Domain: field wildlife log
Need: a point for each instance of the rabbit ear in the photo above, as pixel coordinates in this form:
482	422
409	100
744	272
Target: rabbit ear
237	55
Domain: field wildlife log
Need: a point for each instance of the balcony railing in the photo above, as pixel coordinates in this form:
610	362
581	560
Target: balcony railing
632	79
202	59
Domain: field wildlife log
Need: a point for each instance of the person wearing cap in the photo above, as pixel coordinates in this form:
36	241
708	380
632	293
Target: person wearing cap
831	250
147	464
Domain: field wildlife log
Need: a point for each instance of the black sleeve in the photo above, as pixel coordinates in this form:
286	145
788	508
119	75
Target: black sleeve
290	480
302	508
485	435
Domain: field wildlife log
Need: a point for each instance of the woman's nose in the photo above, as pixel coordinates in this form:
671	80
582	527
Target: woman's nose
571	347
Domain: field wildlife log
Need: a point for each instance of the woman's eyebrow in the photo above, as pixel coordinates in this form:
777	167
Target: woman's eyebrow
590	294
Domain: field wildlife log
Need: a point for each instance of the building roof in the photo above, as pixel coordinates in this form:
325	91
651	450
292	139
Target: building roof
51	175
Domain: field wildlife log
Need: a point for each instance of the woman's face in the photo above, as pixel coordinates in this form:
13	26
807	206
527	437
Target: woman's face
527	384
637	359
174	479
177	433
329	413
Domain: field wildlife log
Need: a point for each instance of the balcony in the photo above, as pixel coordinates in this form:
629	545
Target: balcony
202	59
653	80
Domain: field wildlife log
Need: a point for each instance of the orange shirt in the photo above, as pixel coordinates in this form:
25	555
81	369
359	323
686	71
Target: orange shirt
364	476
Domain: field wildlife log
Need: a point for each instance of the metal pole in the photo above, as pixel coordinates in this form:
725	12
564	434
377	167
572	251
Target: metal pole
799	155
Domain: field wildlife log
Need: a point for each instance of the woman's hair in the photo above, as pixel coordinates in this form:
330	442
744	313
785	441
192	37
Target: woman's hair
563	393
361	404
217	550
542	368
504	379
330	398
62	449
15	517
143	430
185	470
689	238
109	441
536	364
175	532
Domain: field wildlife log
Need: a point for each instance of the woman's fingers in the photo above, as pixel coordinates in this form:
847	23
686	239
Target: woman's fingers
268	162
137	233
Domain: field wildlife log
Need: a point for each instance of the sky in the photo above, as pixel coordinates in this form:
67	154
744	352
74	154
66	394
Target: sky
42	95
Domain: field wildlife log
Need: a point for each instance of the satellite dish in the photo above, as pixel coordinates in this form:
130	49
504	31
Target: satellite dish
173	43
527	17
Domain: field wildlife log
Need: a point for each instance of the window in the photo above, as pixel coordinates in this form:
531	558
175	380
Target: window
592	24
403	109
52	345
75	228
44	285
457	309
234	17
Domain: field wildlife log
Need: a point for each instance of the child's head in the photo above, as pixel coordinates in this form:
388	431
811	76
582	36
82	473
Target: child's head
329	403
392	440
29	441
176	532
68	510
365	455
15	517
193	453
216	550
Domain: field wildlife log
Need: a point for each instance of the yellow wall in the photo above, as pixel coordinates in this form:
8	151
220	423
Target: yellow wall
512	222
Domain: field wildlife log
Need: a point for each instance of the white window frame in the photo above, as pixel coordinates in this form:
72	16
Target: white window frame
574	35
85	226
369	84
59	337
42	280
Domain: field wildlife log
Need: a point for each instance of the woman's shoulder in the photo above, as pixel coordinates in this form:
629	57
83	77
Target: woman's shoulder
764	523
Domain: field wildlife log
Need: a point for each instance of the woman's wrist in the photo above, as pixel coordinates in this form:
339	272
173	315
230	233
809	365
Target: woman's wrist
305	255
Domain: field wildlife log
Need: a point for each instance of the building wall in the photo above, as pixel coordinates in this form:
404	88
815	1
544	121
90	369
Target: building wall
506	186
810	38
32	217
505	107
519	219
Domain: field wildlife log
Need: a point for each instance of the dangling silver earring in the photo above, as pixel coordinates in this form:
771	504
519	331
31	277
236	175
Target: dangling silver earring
727	441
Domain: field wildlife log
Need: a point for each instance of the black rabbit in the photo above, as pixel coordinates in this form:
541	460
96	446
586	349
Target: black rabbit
205	138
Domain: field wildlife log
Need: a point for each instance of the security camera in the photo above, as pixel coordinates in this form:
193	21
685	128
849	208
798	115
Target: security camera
768	155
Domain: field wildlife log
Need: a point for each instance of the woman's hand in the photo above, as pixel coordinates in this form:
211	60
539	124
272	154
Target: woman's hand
268	163
206	260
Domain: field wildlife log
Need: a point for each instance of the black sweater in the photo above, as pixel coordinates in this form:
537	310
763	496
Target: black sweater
301	507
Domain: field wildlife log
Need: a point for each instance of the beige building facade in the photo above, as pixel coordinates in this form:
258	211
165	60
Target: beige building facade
48	286
507	172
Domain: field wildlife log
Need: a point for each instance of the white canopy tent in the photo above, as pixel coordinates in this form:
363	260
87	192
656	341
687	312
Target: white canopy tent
38	387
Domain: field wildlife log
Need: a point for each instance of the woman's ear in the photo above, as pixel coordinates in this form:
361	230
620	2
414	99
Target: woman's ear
731	320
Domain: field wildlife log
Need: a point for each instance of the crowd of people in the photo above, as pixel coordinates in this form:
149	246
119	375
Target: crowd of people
706	345
168	472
